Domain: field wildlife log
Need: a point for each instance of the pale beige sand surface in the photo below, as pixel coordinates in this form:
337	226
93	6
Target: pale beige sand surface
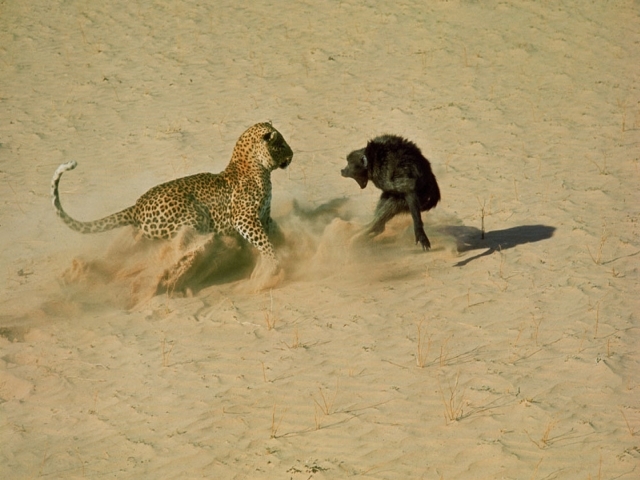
515	356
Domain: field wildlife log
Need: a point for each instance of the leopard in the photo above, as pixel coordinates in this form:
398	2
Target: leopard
234	201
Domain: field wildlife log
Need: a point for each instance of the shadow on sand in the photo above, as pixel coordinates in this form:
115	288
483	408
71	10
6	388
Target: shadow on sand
470	238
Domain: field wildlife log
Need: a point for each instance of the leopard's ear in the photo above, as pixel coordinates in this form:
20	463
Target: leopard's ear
364	161
270	136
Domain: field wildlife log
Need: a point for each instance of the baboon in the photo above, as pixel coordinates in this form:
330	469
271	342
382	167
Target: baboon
397	167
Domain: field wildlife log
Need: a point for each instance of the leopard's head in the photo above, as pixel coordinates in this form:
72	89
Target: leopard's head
266	146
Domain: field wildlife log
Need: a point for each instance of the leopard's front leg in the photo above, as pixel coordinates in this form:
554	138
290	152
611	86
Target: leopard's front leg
267	273
253	231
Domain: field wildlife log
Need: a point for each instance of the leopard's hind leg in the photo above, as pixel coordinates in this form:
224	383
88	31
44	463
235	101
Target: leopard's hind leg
177	276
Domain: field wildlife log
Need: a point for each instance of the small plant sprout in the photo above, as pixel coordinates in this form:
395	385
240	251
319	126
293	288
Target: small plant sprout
166	352
596	307
422	350
602	170
448	161
93	410
444	352
269	317
296	340
597	258
270	320
501	261
485	210
536	328
520	330
623	106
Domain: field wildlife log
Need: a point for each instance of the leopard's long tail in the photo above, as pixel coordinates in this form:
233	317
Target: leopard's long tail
120	219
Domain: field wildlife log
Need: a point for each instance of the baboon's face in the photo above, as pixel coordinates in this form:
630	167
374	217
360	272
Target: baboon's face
357	167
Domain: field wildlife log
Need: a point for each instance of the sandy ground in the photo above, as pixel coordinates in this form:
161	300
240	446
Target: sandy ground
514	356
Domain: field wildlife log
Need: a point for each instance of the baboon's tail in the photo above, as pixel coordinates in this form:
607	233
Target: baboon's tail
433	197
125	217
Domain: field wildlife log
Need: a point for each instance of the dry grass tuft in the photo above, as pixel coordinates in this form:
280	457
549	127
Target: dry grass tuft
545	440
275	425
632	431
326	406
453	402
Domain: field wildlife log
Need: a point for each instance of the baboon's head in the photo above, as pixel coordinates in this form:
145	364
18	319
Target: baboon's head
357	167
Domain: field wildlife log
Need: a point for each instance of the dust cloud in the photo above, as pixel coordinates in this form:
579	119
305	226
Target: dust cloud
313	243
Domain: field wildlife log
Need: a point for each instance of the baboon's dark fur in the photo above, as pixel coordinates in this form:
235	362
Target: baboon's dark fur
397	167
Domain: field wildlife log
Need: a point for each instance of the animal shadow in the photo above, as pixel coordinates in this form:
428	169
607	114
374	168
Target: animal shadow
470	238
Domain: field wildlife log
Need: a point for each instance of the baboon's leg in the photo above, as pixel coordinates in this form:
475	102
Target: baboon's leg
388	207
414	207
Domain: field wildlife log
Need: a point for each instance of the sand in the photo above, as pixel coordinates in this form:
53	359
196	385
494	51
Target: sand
511	356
